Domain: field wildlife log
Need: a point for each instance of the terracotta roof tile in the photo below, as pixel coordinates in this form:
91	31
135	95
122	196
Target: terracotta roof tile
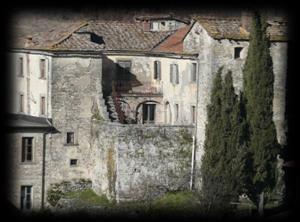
174	43
221	28
116	36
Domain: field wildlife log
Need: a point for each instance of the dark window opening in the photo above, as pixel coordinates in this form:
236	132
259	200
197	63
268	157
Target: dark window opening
148	113
70	138
193	113
157	70
97	39
27	149
42	68
26	197
43	105
194	72
237	52
73	162
21	103
21	69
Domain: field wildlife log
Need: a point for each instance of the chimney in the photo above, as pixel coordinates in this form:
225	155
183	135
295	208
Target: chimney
246	19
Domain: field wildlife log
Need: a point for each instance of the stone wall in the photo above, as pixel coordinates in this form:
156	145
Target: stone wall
76	100
216	53
137	162
161	91
25	173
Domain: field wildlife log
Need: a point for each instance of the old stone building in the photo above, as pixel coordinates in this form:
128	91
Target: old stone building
122	105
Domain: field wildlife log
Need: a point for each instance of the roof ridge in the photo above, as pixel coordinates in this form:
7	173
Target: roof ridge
69	34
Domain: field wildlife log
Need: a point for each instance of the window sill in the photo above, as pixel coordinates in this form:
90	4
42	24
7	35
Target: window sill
42	78
28	163
71	144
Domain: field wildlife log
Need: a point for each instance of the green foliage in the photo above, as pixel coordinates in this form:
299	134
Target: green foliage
182	202
88	196
224	156
54	195
258	91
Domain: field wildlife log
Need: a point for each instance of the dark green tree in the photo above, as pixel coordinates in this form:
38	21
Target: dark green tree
223	159
258	91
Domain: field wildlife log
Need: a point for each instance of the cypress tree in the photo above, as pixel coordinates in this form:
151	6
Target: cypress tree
223	159
258	90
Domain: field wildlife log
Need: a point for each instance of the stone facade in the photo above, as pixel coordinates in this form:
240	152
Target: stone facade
139	162
132	161
214	54
25	173
145	88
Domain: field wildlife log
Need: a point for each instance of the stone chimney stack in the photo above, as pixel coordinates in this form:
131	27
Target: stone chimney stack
246	19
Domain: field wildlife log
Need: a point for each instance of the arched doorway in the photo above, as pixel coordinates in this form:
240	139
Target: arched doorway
146	112
168	114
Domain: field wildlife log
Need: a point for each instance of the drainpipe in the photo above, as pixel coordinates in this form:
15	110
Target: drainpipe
44	164
195	134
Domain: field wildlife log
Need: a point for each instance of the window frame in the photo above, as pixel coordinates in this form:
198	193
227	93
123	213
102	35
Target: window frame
73	138
157	70
174	73
149	113
42	68
21	104
237	51
43	105
24	149
73	164
193	76
20	66
24	197
193	114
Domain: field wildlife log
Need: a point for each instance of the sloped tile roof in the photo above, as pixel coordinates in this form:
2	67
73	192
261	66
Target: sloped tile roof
40	32
116	36
221	28
174	43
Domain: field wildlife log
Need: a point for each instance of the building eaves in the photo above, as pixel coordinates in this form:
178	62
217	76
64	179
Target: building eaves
224	28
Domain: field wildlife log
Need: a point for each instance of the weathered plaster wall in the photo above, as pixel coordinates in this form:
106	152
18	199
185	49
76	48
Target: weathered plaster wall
142	75
76	99
139	162
216	53
25	173
30	84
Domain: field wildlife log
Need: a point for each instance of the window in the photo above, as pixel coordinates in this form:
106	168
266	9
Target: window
43	105
21	103
26	197
194	72
193	114
148	113
27	145
174	75
73	162
43	69
20	67
157	70
176	112
237	52
70	137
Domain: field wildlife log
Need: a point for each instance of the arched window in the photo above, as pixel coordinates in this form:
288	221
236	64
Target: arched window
168	116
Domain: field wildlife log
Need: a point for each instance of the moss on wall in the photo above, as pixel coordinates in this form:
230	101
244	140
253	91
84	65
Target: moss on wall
111	171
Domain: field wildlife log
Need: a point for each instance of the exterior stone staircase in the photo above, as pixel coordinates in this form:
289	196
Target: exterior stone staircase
111	108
